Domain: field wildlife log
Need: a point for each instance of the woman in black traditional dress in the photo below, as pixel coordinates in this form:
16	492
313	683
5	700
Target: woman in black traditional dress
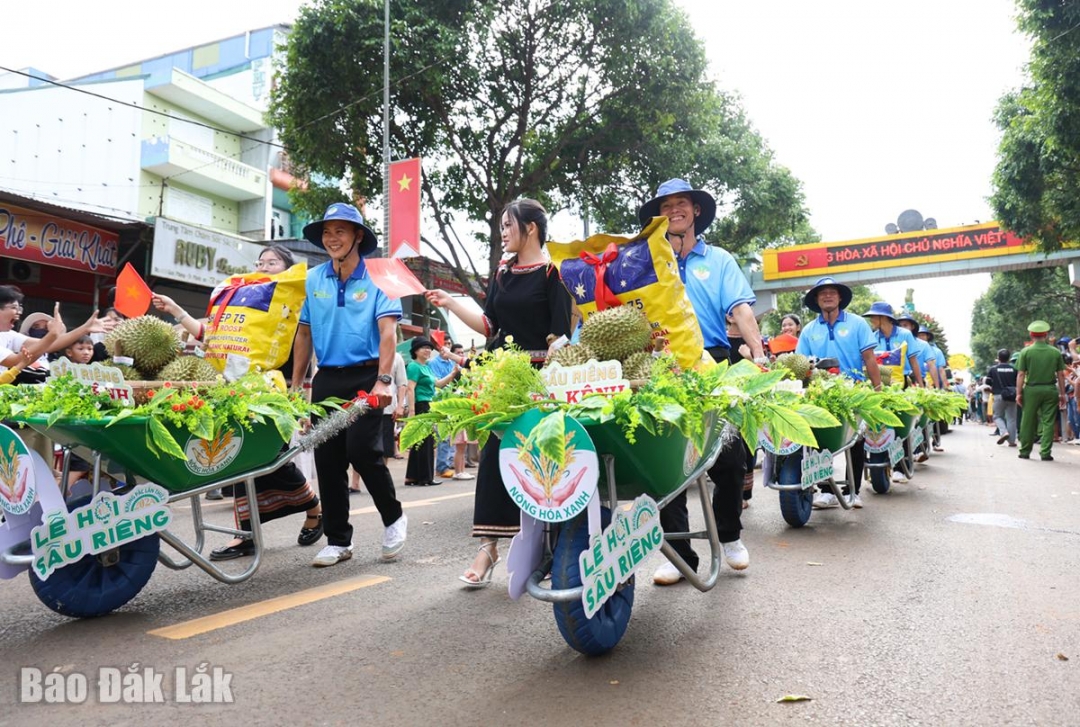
285	491
526	301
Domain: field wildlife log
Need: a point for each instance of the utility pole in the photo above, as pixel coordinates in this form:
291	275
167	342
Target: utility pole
386	128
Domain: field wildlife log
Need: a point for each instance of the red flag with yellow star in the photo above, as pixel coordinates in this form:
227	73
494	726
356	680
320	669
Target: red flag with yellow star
132	293
405	208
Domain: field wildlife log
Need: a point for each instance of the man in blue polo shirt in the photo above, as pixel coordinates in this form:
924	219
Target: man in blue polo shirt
925	335
352	326
716	288
890	337
837	334
924	352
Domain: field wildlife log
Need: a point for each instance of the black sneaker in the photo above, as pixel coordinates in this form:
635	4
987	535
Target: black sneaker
1047	458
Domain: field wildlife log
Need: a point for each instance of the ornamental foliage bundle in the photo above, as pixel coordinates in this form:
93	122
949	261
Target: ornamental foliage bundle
501	386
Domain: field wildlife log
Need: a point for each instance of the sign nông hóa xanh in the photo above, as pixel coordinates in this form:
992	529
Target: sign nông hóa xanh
537	484
616	552
106	522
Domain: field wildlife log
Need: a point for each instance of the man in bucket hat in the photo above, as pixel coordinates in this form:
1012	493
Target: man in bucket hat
716	288
837	334
1040	391
890	337
352	326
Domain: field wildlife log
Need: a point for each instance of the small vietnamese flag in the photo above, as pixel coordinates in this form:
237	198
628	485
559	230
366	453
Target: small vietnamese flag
392	277
438	337
132	293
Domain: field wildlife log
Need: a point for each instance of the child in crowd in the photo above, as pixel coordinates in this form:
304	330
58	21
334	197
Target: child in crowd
81	351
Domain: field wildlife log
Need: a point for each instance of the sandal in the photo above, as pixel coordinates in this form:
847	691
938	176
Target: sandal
482	580
310	536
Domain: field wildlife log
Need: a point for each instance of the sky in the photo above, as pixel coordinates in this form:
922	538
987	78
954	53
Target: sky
876	107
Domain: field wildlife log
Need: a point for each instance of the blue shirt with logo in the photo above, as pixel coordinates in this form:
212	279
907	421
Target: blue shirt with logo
899	336
715	285
344	315
923	354
844	340
439	366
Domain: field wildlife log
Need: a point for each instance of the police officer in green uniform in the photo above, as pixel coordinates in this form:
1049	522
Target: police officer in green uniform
1040	390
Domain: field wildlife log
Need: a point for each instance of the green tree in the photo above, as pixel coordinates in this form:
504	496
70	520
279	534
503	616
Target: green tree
1000	317
583	104
1038	169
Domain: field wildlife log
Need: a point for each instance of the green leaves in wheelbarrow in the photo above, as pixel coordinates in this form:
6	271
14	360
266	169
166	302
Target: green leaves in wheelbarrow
158	439
549	436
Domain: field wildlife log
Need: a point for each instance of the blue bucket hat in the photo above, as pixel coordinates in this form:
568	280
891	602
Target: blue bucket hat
810	299
881	308
905	316
702	199
348	213
927	331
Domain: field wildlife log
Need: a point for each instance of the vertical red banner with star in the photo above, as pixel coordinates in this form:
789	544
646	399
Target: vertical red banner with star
405	208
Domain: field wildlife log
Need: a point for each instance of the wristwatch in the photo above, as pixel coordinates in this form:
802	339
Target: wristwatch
386	379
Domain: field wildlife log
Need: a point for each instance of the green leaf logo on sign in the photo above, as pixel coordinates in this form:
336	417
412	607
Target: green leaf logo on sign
18	488
536	482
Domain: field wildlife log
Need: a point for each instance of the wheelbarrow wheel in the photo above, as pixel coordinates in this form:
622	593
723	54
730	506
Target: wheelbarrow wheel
599	634
795	505
879	475
99	583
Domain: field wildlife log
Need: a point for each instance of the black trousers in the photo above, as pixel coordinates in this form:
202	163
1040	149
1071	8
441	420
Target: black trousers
388	437
359	445
727	476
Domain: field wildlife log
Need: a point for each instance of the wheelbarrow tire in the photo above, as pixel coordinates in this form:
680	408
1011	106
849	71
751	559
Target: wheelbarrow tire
599	634
879	476
89	588
795	505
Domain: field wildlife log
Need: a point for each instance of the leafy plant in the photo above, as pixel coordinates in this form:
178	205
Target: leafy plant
498	389
938	404
851	402
205	411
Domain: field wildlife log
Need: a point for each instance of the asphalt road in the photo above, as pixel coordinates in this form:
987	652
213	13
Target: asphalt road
953	600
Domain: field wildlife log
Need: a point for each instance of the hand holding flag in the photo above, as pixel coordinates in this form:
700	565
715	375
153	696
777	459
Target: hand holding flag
393	278
132	293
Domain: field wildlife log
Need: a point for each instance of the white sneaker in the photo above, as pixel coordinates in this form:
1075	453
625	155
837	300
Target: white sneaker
898	476
394	538
825	500
736	555
463	476
332	555
667	575
856	502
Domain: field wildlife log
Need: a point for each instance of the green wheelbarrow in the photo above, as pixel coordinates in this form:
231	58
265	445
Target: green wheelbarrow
93	549
592	615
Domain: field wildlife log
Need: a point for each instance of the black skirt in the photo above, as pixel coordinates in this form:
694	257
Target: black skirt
494	513
421	466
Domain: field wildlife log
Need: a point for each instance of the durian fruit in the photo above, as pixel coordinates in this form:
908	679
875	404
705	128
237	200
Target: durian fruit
616	333
188	368
149	340
572	355
796	363
130	372
886	375
638	366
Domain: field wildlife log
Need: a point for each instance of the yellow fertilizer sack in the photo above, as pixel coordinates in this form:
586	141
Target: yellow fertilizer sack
609	270
253	319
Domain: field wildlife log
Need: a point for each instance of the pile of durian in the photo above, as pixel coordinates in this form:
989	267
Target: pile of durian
620	334
155	348
798	366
